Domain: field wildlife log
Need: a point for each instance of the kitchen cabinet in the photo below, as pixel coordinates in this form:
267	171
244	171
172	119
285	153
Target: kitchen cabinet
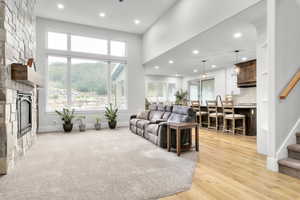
246	74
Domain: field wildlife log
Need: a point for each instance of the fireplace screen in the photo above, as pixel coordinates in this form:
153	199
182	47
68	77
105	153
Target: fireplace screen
24	109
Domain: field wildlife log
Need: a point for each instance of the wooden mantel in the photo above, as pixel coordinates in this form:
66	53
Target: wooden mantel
25	74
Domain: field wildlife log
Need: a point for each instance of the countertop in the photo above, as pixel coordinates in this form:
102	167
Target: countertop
238	106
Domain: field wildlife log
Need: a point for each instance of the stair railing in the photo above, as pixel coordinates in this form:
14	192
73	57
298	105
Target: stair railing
292	84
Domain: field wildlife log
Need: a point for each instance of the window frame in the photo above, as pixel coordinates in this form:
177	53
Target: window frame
89	56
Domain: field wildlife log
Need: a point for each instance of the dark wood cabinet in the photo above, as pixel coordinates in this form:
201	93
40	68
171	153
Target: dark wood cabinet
247	74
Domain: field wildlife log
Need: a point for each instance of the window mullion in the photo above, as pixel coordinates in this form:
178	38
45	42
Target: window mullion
69	92
109	92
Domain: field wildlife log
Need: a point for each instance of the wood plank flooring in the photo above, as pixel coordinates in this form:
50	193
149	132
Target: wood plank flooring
229	168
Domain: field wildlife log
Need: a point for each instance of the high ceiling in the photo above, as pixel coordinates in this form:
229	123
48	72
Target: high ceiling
119	16
215	45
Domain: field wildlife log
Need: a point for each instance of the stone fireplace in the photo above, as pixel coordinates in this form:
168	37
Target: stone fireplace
24	113
18	107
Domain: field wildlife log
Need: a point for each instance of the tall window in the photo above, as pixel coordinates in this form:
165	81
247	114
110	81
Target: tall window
88	84
57	80
207	90
194	92
161	91
81	74
118	89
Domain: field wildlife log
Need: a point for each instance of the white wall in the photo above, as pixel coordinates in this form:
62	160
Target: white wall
185	20
164	79
135	71
284	61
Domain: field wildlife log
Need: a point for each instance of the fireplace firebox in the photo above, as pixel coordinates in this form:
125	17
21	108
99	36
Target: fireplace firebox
24	113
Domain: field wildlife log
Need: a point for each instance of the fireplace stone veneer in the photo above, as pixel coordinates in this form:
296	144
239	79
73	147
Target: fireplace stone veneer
17	44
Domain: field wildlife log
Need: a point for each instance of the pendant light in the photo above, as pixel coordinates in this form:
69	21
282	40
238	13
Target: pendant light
204	75
236	69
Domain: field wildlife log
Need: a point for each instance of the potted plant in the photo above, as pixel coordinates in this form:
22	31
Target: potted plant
181	97
98	123
82	126
111	116
67	116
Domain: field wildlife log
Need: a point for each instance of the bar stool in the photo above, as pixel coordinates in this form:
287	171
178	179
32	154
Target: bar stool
201	114
212	109
228	112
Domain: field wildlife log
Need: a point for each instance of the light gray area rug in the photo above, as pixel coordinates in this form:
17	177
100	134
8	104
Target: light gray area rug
104	165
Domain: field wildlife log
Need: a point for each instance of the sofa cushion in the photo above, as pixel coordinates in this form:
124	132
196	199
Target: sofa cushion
153	107
178	118
161	107
155	115
134	121
143	115
183	110
142	123
166	115
153	129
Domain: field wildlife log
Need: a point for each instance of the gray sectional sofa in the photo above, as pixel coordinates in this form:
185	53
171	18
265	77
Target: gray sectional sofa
152	124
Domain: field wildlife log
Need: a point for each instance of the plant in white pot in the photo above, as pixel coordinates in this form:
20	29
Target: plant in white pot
98	123
67	116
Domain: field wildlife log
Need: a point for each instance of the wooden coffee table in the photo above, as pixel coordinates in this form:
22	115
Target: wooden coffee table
178	127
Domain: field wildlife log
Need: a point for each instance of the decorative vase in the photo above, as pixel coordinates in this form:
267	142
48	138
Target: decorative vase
112	124
68	127
82	127
98	126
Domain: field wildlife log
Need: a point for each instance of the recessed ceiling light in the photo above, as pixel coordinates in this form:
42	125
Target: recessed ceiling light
244	58
204	76
156	67
213	66
136	21
195	70
196	52
171	61
102	14
237	35
177	75
60	6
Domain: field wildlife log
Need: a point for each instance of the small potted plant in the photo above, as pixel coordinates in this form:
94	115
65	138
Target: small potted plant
181	97
98	123
82	125
111	116
67	116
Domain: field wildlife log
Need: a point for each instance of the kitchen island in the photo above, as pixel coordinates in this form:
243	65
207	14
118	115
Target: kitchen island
249	111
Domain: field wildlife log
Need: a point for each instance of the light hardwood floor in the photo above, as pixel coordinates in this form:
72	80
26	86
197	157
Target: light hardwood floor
230	168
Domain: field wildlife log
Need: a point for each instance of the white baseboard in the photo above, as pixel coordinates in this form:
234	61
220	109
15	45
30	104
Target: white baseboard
272	164
290	139
58	128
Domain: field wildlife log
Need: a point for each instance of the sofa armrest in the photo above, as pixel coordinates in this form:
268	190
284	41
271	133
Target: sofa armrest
158	121
133	116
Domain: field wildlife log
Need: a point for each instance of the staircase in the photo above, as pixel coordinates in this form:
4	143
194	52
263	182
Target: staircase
291	165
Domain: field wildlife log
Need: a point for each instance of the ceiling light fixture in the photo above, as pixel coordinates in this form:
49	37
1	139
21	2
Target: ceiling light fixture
195	70
171	62
177	75
244	58
102	14
236	69
60	6
213	66
156	67
136	21
204	75
237	35
196	52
